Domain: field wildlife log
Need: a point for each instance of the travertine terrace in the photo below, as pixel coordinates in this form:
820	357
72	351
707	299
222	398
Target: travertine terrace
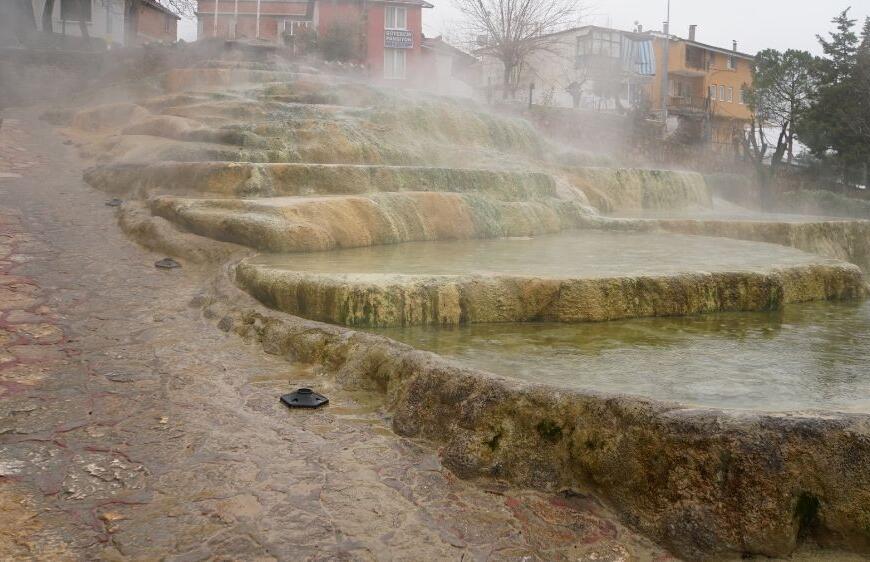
237	160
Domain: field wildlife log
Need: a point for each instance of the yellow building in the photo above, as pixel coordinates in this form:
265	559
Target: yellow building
705	87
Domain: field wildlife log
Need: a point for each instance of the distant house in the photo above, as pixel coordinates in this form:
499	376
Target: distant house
587	67
611	70
106	20
390	32
449	70
156	22
706	85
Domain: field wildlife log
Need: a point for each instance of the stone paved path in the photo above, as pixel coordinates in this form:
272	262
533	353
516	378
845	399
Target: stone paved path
132	428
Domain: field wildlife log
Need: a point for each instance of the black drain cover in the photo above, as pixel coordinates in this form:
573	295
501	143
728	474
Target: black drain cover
304	398
167	263
114	202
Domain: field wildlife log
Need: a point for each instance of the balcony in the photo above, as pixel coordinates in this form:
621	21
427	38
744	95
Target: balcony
688	105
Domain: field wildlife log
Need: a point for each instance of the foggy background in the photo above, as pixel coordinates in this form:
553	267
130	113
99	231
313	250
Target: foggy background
755	24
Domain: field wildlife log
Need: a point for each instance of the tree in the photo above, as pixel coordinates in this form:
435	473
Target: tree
84	6
340	41
514	29
782	87
837	125
47	14
841	49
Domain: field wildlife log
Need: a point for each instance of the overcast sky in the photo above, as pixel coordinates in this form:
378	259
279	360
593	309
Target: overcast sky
755	24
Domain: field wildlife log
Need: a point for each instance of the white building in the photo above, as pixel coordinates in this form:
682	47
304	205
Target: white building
104	18
586	67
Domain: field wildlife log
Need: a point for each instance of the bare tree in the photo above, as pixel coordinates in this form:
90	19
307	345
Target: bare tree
47	14
84	7
514	29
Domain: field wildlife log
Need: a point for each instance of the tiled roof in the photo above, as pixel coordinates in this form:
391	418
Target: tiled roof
160	7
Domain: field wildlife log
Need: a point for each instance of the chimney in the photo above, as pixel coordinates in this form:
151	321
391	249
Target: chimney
734	45
693	29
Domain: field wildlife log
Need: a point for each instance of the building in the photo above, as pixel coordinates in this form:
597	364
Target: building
587	67
106	20
706	87
449	70
155	22
388	34
268	20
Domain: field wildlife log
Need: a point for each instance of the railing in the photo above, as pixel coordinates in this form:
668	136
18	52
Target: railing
689	103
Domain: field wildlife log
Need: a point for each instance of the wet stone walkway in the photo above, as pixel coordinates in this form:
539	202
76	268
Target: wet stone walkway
132	428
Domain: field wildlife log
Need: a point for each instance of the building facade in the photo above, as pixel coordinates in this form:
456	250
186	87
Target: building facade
706	87
268	20
587	67
155	22
610	70
106	20
389	34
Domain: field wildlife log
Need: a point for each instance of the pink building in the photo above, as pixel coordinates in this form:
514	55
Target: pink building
390	32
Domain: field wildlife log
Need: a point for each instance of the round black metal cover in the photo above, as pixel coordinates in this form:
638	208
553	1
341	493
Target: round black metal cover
167	263
304	398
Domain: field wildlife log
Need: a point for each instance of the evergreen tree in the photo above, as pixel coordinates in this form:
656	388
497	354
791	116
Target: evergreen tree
837	125
864	48
841	48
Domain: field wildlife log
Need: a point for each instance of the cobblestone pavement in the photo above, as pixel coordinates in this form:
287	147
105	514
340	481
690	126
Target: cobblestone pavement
132	428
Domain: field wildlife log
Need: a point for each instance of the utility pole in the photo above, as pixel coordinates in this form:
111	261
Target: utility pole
258	19
216	4
665	67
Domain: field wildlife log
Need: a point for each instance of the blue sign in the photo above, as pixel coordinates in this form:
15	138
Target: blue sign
398	39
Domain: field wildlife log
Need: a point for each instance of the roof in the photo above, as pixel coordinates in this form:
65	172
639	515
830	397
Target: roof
160	7
722	50
421	3
439	44
633	34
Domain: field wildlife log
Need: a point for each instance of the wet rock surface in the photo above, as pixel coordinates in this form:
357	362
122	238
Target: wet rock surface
133	428
705	483
587	276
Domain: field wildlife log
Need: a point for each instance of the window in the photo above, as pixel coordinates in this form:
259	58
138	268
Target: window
394	64
732	62
713	92
742	96
730	95
74	10
395	18
603	43
721	93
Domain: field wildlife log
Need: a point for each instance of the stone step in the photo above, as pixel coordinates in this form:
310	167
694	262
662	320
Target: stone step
243	179
571	277
310	224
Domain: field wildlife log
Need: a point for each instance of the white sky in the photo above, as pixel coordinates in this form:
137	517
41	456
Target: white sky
755	24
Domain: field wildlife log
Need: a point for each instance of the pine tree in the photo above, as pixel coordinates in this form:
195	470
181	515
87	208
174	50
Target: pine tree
864	48
837	125
841	48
